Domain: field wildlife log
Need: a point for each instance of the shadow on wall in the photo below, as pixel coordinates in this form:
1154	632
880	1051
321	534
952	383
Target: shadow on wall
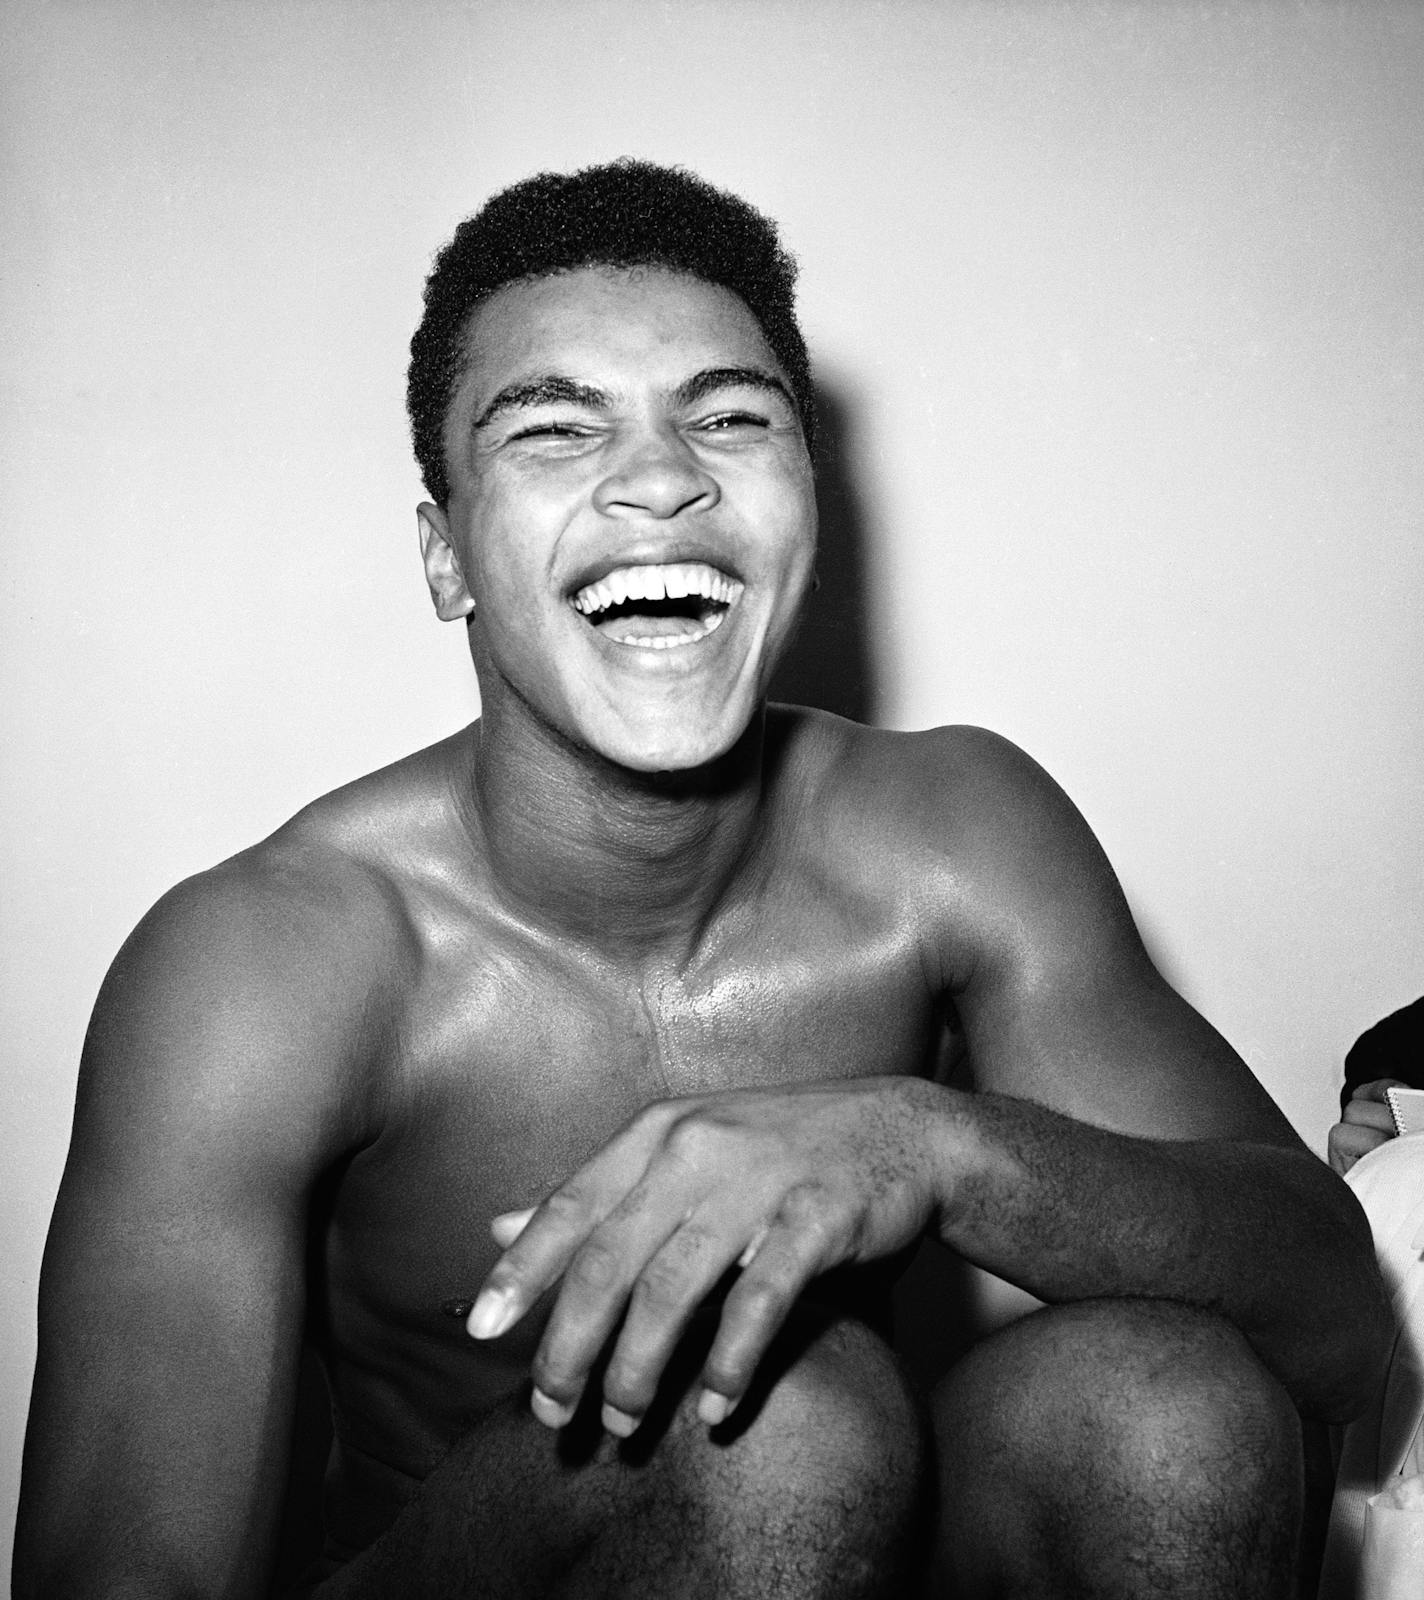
831	663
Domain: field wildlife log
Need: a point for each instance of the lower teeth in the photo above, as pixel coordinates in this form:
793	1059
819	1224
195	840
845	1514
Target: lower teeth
671	641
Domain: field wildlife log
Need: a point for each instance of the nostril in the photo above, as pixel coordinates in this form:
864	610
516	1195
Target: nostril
660	487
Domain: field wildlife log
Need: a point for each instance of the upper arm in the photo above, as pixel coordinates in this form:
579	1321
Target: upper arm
215	1085
1060	1001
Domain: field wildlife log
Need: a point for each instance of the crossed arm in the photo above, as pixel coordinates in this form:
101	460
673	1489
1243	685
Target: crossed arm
1118	1147
791	1184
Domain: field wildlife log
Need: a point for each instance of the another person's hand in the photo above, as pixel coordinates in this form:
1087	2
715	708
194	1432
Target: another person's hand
786	1183
1365	1125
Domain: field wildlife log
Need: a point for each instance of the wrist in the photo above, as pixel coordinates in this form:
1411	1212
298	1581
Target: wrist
944	1141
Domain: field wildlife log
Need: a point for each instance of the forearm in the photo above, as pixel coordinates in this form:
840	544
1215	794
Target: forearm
1264	1235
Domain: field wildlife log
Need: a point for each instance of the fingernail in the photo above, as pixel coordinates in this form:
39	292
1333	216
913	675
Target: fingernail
510	1224
714	1408
619	1422
550	1412
493	1313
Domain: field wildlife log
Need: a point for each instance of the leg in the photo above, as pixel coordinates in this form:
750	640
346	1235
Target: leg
814	1491
1117	1449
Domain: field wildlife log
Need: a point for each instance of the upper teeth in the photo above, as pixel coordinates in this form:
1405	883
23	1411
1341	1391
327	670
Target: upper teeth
672	582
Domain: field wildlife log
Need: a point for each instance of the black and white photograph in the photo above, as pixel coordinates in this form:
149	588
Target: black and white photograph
712	813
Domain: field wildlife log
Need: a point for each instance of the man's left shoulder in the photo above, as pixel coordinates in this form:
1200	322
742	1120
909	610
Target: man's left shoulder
937	784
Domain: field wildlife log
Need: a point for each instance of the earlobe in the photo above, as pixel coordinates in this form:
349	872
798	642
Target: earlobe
452	598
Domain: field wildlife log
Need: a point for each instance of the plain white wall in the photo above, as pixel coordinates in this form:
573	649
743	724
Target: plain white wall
1122	304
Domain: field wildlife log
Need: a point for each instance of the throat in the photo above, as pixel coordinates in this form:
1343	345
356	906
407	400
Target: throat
618	858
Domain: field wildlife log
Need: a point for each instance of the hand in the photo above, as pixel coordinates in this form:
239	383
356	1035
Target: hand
785	1183
1365	1125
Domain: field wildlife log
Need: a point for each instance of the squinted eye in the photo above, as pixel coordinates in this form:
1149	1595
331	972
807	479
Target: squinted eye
728	420
549	430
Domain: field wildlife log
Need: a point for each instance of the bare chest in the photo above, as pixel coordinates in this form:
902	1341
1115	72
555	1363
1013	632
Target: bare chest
515	1067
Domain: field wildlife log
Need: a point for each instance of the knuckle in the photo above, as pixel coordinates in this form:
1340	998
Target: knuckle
627	1388
691	1140
652	1120
568	1206
595	1268
727	1372
763	1301
805	1206
731	1365
662	1289
818	1225
552	1379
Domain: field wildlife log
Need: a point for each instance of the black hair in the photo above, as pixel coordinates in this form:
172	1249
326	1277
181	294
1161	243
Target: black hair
626	213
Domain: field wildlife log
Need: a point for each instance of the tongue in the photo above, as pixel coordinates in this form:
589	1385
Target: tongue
638	626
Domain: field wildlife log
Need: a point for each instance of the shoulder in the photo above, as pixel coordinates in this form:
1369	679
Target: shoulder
333	888
970	835
271	984
946	789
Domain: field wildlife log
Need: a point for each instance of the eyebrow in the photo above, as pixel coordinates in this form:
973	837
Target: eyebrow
554	388
706	382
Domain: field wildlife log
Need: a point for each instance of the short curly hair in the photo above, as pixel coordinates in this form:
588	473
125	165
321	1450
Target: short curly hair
626	213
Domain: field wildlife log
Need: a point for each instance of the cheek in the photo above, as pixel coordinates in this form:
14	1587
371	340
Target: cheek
800	520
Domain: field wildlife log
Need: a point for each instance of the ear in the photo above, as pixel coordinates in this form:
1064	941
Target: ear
442	566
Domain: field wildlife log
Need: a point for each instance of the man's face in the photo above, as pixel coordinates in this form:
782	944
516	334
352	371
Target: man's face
631	509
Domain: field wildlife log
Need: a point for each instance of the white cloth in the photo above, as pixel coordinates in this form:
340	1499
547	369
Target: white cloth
1385	1447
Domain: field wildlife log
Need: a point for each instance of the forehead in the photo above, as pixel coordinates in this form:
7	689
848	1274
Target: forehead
614	326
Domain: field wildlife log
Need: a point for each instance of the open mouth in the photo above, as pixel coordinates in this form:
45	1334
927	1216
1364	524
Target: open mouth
658	607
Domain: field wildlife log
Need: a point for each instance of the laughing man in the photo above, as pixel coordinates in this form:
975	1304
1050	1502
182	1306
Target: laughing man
572	1082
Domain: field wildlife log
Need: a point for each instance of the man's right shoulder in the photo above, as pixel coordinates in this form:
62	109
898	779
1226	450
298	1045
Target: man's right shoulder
275	979
327	896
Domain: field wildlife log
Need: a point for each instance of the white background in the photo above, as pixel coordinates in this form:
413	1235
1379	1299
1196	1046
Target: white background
1122	305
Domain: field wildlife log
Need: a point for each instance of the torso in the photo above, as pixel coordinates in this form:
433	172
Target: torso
511	1057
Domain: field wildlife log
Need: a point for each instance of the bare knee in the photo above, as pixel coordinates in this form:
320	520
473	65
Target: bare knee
1134	1435
811	1487
816	1484
833	1398
1146	1388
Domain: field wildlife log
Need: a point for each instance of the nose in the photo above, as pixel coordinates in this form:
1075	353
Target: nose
656	475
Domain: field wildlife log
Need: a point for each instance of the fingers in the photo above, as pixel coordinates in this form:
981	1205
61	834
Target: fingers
598	1282
1349	1141
783	1186
1374	1091
1369	1114
664	1299
810	1235
539	1246
536	1251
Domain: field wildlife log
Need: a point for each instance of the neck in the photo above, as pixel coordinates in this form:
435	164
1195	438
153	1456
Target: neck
634	863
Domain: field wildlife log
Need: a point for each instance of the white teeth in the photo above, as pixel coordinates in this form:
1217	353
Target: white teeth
672	581
672	641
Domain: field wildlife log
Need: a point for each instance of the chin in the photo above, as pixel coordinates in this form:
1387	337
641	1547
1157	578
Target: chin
675	749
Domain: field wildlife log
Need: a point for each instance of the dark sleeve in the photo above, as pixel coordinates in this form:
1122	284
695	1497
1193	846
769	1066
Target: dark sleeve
1393	1048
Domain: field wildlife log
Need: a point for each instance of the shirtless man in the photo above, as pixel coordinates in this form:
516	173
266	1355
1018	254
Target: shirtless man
670	968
